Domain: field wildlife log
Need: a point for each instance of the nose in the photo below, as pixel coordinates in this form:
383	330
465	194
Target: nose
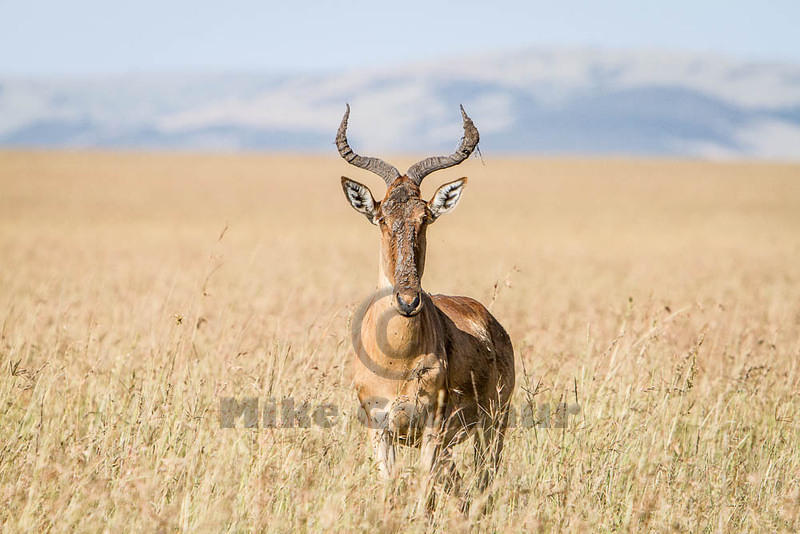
408	303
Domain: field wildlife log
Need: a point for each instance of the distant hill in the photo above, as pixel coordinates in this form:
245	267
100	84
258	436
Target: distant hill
527	101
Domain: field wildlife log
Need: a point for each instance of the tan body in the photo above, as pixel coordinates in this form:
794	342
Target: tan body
459	375
431	370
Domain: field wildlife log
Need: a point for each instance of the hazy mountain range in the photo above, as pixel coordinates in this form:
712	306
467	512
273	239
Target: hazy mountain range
527	101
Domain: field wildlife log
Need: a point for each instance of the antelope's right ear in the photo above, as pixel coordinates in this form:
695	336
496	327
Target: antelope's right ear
360	198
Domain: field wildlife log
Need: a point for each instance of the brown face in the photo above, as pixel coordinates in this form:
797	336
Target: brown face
403	218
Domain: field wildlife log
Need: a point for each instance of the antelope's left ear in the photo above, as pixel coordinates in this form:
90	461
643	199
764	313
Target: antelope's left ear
447	197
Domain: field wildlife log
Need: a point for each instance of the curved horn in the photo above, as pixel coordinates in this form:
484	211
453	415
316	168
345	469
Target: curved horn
420	170
378	166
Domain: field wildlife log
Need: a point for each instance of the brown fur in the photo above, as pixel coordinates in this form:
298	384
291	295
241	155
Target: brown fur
451	364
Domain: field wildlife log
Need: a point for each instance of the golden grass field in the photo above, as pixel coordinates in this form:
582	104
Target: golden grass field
137	290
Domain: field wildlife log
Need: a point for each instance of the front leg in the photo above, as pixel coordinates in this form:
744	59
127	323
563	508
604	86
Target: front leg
383	449
440	471
375	417
432	434
437	462
429	450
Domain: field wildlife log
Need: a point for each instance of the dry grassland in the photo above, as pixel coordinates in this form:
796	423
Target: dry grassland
137	290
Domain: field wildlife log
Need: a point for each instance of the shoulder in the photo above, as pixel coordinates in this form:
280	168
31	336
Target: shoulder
465	313
470	316
461	305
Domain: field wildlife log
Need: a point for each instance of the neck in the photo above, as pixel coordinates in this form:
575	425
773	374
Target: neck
384	281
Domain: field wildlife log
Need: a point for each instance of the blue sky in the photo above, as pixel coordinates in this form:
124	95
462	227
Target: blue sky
78	37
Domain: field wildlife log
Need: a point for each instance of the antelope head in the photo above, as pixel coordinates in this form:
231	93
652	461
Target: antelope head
403	216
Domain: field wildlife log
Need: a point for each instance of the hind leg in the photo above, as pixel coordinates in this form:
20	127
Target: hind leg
488	447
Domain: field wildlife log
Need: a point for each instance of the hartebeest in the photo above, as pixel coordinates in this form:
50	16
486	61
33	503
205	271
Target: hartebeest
431	369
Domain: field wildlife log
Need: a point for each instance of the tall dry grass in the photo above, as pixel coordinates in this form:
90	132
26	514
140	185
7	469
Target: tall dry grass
137	290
